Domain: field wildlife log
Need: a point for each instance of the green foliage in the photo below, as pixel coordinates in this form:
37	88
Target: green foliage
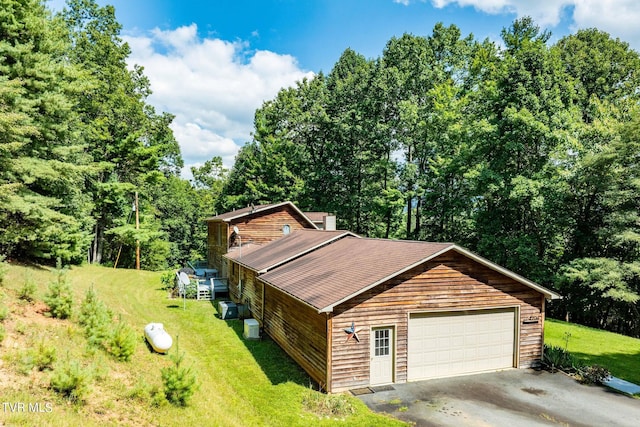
71	380
557	358
4	268
168	280
43	166
96	318
132	143
28	291
327	405
59	297
41	356
3	333
601	291
4	312
122	342
179	382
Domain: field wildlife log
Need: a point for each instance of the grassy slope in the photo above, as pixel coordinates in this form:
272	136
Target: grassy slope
241	383
618	353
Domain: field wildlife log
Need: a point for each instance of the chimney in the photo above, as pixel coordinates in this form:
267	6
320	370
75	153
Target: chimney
329	222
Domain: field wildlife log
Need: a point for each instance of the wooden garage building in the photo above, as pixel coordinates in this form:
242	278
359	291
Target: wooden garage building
356	312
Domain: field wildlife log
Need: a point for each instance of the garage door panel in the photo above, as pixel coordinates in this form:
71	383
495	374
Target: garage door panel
446	344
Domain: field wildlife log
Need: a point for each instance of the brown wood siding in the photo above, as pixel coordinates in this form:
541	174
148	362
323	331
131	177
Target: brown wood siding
265	227
251	294
217	246
299	330
259	228
449	282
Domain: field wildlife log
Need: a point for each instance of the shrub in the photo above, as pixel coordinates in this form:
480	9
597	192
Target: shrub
4	268
557	358
72	381
4	312
168	280
2	333
594	374
45	356
95	317
28	291
42	357
60	298
122	342
179	382
327	405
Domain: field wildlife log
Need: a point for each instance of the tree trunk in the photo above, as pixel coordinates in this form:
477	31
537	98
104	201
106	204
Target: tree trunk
416	230
97	245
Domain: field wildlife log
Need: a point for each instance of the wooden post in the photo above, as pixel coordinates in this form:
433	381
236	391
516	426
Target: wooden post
137	241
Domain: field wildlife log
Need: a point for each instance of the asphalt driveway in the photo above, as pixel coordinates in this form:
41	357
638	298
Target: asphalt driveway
517	397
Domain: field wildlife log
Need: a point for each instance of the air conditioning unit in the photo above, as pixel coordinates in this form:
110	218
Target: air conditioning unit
227	310
251	329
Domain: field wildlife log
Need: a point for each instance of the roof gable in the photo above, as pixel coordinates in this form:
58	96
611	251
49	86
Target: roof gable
346	268
253	210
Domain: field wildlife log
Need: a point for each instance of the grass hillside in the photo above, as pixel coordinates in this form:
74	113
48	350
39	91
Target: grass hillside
240	383
618	353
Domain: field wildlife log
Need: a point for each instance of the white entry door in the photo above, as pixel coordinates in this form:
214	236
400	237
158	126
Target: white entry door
382	353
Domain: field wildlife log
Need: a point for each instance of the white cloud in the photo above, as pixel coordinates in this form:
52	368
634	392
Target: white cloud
545	13
212	86
617	17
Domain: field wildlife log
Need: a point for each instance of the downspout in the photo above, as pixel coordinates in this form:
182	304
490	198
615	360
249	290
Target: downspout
262	307
328	386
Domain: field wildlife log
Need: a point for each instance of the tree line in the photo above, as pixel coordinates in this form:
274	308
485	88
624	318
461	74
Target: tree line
524	151
78	139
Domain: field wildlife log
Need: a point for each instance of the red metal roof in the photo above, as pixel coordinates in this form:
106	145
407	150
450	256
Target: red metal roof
286	248
339	271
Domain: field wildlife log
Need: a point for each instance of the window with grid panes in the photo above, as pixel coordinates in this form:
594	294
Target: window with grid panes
381	342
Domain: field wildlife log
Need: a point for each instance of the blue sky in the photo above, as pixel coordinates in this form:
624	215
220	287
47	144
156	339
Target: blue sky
213	63
314	32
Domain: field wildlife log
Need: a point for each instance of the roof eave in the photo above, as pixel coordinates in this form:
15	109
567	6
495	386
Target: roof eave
266	208
548	294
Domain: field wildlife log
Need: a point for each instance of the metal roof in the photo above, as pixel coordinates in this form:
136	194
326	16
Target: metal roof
339	271
286	248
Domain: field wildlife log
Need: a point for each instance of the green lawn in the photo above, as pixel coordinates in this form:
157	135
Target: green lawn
241	383
618	353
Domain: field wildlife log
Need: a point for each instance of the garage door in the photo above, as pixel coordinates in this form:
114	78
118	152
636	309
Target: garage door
455	343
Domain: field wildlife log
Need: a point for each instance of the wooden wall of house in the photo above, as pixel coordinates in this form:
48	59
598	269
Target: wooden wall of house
449	282
264	227
217	244
251	293
259	228
300	330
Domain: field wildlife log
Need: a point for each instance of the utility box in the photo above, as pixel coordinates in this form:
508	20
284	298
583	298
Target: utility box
251	329
227	310
243	311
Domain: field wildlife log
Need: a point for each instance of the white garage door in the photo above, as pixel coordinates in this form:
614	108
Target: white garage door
454	343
